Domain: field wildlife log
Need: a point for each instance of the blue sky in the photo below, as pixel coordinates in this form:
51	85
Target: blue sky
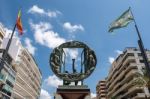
48	23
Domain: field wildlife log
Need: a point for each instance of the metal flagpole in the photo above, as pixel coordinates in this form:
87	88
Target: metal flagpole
7	48
141	46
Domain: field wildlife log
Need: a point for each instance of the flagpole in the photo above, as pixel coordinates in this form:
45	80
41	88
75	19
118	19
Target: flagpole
4	56
141	46
9	42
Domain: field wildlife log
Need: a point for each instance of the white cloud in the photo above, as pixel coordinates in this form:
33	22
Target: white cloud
71	53
93	95
111	60
37	10
118	52
53	81
53	13
29	46
44	35
8	32
45	95
72	28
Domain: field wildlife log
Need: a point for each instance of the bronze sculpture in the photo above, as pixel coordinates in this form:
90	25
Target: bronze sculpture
57	62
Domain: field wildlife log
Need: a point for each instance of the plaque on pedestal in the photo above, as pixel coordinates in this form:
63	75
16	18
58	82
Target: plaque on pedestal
73	92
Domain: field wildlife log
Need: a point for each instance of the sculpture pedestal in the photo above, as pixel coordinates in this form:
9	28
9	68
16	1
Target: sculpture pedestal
73	92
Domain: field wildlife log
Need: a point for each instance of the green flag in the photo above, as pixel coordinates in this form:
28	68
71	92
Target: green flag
122	21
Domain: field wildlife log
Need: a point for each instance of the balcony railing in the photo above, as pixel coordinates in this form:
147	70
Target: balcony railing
7	88
10	79
8	57
2	78
132	90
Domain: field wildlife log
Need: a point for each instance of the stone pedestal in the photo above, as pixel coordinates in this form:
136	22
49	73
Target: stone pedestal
73	92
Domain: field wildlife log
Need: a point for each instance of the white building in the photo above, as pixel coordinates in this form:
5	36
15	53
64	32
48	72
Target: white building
123	74
101	90
2	34
28	75
7	73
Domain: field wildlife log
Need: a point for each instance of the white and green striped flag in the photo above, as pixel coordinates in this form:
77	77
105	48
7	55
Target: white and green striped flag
122	21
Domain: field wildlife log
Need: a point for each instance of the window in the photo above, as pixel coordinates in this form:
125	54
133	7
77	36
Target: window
139	54
128	54
142	61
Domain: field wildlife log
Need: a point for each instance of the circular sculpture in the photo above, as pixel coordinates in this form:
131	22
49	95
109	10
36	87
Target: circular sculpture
57	62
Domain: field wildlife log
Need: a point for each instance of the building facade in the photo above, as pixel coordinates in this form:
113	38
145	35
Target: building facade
94	98
7	77
2	34
101	90
7	73
123	75
28	76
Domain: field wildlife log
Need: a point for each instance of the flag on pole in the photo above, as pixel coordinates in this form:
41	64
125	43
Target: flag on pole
122	21
19	23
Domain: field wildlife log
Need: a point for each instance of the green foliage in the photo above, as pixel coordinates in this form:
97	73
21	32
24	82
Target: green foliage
142	79
113	97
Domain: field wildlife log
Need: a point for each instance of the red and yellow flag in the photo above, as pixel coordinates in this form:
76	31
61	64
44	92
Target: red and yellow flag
19	23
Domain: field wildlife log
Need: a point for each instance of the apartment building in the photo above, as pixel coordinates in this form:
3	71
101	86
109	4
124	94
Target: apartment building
123	73
2	33
28	75
7	77
7	74
101	90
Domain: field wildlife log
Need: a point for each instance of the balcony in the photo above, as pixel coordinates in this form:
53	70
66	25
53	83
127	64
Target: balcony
127	71
128	61
11	79
140	96
132	90
121	59
7	88
8	57
2	79
124	85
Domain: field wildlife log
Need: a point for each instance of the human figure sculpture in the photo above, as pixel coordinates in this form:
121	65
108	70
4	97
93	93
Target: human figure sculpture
73	66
